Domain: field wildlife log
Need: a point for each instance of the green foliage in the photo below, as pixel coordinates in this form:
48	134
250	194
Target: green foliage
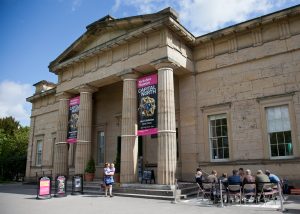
13	148
90	167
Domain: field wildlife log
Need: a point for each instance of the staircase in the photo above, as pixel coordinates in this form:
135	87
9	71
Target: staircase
153	191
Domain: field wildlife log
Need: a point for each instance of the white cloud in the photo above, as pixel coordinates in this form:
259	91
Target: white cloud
205	16
202	16
76	4
13	101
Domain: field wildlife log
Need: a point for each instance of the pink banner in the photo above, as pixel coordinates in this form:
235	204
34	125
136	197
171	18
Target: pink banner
147	105
44	187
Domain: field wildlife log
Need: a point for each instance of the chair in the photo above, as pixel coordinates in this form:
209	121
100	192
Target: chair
220	189
267	192
249	190
235	191
200	190
207	190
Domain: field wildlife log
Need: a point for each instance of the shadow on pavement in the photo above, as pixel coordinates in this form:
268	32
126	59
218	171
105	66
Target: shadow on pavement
18	188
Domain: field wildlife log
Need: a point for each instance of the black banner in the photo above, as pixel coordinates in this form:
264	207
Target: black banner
73	119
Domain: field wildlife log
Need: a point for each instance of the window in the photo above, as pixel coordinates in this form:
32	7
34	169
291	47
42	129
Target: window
39	151
279	131
218	137
101	147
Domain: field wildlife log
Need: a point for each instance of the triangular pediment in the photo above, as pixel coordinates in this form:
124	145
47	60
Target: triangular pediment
108	29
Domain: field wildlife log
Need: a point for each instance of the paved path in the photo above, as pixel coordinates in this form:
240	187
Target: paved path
18	198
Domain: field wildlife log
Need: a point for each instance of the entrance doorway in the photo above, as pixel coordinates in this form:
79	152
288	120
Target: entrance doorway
140	156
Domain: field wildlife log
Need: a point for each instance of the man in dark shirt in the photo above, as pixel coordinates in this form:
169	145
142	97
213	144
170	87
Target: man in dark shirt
234	178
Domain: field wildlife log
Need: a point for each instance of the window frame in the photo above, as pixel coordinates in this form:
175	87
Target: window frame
224	116
206	113
269	140
277	101
39	142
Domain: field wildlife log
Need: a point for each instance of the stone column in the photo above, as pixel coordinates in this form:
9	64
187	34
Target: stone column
166	127
30	148
61	145
84	135
129	143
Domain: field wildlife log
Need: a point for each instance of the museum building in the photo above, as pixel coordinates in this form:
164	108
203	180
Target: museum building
145	93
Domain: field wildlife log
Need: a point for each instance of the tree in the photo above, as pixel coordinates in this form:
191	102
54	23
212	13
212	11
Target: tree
13	148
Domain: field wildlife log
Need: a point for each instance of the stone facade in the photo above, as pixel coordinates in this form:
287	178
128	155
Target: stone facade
236	73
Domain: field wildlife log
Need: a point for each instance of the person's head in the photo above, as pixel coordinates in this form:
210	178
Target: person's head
259	172
112	165
199	170
248	172
234	172
224	175
267	172
106	164
214	172
241	171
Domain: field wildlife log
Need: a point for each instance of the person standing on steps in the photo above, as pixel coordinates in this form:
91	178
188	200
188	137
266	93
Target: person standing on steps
108	179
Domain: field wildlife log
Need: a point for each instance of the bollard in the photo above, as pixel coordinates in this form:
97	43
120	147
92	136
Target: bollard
175	192
221	193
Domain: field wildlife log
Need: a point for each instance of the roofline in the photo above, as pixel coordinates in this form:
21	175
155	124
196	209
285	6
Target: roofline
42	94
89	28
247	21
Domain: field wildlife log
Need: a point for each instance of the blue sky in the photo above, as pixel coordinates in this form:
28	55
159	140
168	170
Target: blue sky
35	32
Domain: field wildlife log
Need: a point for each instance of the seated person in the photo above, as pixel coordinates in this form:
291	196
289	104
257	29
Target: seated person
260	179
212	178
224	179
234	178
248	179
273	178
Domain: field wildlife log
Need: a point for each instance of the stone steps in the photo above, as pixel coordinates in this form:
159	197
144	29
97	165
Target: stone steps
153	191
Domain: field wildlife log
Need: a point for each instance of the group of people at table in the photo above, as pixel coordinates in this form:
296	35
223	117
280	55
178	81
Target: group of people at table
238	177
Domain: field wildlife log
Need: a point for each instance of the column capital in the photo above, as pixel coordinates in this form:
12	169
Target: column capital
63	95
129	76
164	64
86	88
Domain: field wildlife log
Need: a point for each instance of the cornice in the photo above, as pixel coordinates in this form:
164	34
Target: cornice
40	95
249	25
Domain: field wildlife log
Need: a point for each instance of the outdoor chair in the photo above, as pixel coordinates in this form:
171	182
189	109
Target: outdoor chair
220	189
207	190
200	191
249	191
235	191
267	192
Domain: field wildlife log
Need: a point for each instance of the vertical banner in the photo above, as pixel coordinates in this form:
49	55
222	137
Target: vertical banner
73	119
147	105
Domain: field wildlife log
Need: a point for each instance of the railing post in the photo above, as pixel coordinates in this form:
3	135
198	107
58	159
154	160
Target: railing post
221	193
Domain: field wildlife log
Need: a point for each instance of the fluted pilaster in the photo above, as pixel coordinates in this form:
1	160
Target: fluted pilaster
129	144
61	145
166	127
84	136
